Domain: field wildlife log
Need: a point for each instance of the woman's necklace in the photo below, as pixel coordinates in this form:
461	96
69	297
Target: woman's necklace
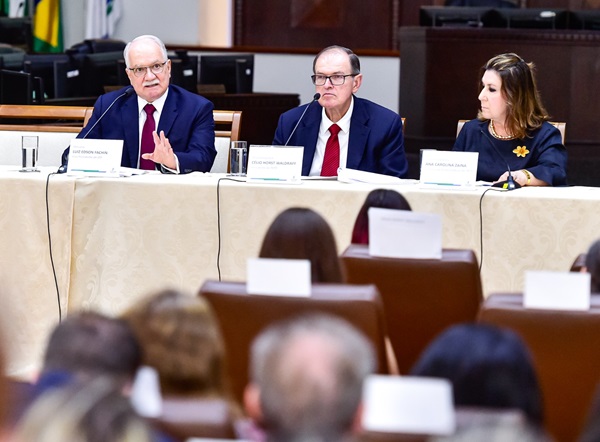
500	137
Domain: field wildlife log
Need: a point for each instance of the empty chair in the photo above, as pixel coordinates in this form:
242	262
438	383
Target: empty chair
421	297
564	346
242	317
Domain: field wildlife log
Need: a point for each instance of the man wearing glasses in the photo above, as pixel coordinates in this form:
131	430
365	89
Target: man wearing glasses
343	130
162	126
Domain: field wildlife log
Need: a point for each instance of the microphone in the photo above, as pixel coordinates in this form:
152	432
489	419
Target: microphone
129	91
510	183
315	98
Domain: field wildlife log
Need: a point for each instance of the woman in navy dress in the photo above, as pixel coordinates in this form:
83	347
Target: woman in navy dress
512	129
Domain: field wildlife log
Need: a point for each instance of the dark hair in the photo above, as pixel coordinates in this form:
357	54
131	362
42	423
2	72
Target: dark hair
89	344
300	233
354	61
592	263
383	198
525	111
487	366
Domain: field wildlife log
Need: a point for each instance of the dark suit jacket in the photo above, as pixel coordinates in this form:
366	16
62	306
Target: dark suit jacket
376	143
186	119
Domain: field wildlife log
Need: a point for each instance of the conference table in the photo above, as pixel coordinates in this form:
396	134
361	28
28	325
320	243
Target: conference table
117	240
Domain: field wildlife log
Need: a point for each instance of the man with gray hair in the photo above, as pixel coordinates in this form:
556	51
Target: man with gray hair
306	379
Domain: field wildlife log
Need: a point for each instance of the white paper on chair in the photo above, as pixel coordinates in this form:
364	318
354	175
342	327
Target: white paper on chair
404	234
279	277
557	290
405	404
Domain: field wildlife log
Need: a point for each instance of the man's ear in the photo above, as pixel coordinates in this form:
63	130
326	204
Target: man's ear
252	402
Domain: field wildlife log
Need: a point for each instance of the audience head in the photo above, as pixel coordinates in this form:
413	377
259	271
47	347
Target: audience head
382	198
148	67
522	109
88	344
180	338
306	378
488	367
299	233
592	265
89	411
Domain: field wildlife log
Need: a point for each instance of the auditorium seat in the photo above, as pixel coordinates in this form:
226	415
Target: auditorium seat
421	297
564	345
185	418
242	317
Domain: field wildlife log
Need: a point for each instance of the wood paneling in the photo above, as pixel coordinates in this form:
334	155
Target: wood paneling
357	24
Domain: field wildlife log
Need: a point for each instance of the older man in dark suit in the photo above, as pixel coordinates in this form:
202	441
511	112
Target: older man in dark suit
343	130
162	125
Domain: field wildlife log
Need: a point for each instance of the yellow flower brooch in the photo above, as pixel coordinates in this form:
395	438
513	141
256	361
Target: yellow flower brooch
521	151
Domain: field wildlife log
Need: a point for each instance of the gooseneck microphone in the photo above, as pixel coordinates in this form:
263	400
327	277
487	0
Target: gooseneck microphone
129	91
510	183
315	98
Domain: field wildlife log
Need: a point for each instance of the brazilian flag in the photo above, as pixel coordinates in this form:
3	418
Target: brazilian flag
47	26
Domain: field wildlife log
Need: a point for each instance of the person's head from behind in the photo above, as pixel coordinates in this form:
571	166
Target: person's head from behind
382	198
148	66
509	95
488	367
336	76
180	338
592	265
300	233
89	344
306	378
90	411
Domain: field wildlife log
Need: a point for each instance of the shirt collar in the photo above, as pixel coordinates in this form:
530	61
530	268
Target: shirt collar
159	103
344	123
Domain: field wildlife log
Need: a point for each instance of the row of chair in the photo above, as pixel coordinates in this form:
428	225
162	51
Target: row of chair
411	301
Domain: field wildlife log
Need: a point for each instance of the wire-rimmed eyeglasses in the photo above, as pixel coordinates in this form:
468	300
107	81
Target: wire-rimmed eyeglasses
335	80
156	68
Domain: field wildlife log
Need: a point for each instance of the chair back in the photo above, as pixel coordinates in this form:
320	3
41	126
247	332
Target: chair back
72	118
563	345
227	129
242	317
186	418
560	125
421	297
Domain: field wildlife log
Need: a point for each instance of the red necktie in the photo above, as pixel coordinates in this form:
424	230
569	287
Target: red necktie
147	144
331	160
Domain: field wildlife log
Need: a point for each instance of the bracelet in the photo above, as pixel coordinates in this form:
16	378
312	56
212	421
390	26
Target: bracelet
528	175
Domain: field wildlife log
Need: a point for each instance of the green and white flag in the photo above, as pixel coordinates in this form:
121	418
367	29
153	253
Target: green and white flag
101	17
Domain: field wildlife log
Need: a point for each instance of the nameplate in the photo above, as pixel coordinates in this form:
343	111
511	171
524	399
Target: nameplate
448	168
557	290
90	157
404	234
279	277
275	164
405	404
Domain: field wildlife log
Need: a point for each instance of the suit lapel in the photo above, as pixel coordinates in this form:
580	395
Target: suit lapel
131	120
310	128
169	113
359	133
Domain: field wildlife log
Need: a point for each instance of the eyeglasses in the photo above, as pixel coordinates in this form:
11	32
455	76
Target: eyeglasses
335	80
142	70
